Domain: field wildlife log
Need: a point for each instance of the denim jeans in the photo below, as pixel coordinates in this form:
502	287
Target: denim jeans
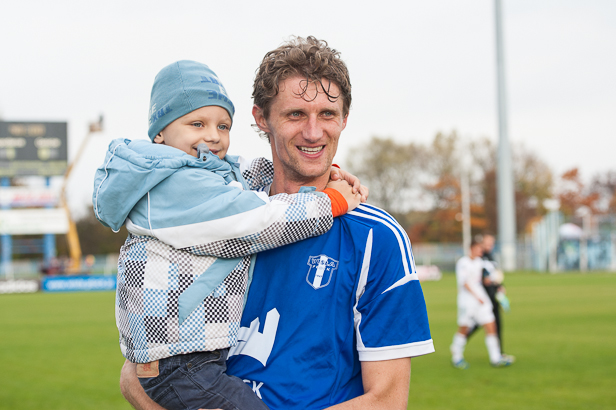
198	381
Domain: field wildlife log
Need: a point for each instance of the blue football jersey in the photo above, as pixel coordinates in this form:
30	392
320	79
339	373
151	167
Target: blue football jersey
319	307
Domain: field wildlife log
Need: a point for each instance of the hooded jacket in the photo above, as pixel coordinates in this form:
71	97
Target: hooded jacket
174	294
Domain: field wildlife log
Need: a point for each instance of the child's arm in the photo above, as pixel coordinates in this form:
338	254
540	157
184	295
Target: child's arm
218	219
338	173
259	173
342	196
284	219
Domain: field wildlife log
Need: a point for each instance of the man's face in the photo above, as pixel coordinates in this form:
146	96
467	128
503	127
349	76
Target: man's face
303	131
488	243
476	250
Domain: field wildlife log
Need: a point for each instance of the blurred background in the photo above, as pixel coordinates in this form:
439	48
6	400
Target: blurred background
423	131
424	105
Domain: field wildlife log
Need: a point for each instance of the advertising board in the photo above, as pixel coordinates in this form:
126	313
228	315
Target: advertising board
78	283
28	197
33	221
19	286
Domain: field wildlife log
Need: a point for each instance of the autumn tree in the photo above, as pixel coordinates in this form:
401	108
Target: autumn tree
533	183
390	169
443	188
573	194
420	184
604	185
94	238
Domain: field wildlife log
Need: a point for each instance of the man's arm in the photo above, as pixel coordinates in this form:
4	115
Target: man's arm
132	391
386	386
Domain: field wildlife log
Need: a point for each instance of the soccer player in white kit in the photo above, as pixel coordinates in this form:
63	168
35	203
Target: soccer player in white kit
474	307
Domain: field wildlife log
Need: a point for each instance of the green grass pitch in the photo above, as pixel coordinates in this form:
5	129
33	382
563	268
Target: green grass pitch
60	351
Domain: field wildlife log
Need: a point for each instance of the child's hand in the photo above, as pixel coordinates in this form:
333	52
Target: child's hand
346	190
339	174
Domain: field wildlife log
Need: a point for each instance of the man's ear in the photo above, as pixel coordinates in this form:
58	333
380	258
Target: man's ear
159	139
344	121
257	113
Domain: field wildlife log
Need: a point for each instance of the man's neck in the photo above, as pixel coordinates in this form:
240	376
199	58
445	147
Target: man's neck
284	185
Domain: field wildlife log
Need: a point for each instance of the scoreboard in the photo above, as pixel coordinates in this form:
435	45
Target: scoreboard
33	148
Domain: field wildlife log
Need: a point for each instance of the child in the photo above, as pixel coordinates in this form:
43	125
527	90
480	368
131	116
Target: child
183	199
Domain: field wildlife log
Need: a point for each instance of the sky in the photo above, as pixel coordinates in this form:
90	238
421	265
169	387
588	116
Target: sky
417	68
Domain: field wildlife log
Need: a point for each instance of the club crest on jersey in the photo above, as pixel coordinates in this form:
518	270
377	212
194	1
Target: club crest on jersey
321	269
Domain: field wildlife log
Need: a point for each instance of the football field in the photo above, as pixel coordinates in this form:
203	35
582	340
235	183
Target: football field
60	351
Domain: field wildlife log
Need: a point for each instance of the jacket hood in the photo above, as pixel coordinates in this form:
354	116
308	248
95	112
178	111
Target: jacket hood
132	168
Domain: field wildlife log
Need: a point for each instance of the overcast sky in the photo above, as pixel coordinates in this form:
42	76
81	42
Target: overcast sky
417	68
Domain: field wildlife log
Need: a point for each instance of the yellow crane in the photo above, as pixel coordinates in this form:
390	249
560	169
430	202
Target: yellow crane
72	237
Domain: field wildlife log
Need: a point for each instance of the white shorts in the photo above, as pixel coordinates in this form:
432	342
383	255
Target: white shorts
471	312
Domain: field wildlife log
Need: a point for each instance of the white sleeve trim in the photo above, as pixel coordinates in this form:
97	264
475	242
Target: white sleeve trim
376	354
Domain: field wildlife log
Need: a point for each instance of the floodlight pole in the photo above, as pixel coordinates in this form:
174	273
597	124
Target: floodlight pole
466	211
504	171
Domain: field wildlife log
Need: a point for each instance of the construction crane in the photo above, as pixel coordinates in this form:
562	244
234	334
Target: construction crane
72	237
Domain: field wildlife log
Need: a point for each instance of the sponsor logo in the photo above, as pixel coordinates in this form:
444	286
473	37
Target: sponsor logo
320	271
155	115
221	94
251	342
256	386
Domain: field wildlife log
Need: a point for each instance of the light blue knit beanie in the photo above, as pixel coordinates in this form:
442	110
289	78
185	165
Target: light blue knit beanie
183	87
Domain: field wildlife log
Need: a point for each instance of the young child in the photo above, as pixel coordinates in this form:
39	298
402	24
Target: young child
193	225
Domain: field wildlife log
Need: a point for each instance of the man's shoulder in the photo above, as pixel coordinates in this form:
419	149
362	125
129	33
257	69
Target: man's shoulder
370	221
371	217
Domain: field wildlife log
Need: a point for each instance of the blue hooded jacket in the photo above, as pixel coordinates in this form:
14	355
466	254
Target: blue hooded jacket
174	296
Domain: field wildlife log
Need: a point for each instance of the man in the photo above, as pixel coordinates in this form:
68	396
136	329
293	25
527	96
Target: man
331	322
474	308
493	284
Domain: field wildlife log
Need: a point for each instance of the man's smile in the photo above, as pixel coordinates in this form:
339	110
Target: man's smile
311	150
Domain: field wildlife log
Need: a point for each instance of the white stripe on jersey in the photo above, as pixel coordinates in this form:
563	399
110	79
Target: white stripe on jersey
403	241
377	211
361	287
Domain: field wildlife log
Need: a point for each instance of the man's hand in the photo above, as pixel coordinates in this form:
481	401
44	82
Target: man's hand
386	386
340	174
352	198
132	391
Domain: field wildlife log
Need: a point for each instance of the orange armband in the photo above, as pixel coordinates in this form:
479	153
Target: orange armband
339	204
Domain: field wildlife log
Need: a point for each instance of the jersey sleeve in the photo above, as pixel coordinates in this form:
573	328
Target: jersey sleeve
223	220
391	320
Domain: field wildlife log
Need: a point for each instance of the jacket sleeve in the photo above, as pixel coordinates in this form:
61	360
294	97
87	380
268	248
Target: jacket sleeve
219	219
258	172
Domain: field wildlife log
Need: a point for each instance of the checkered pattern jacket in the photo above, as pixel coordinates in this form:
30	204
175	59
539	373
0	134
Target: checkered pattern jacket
193	225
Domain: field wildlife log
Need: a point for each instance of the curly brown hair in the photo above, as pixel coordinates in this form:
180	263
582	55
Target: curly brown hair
304	57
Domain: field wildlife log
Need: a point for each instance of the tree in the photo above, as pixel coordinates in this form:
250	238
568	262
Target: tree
420	184
390	170
604	185
533	182
94	238
573	194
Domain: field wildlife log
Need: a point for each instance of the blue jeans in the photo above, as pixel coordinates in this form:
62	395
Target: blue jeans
198	381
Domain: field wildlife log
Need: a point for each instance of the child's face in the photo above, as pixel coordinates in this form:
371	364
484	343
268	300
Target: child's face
209	125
